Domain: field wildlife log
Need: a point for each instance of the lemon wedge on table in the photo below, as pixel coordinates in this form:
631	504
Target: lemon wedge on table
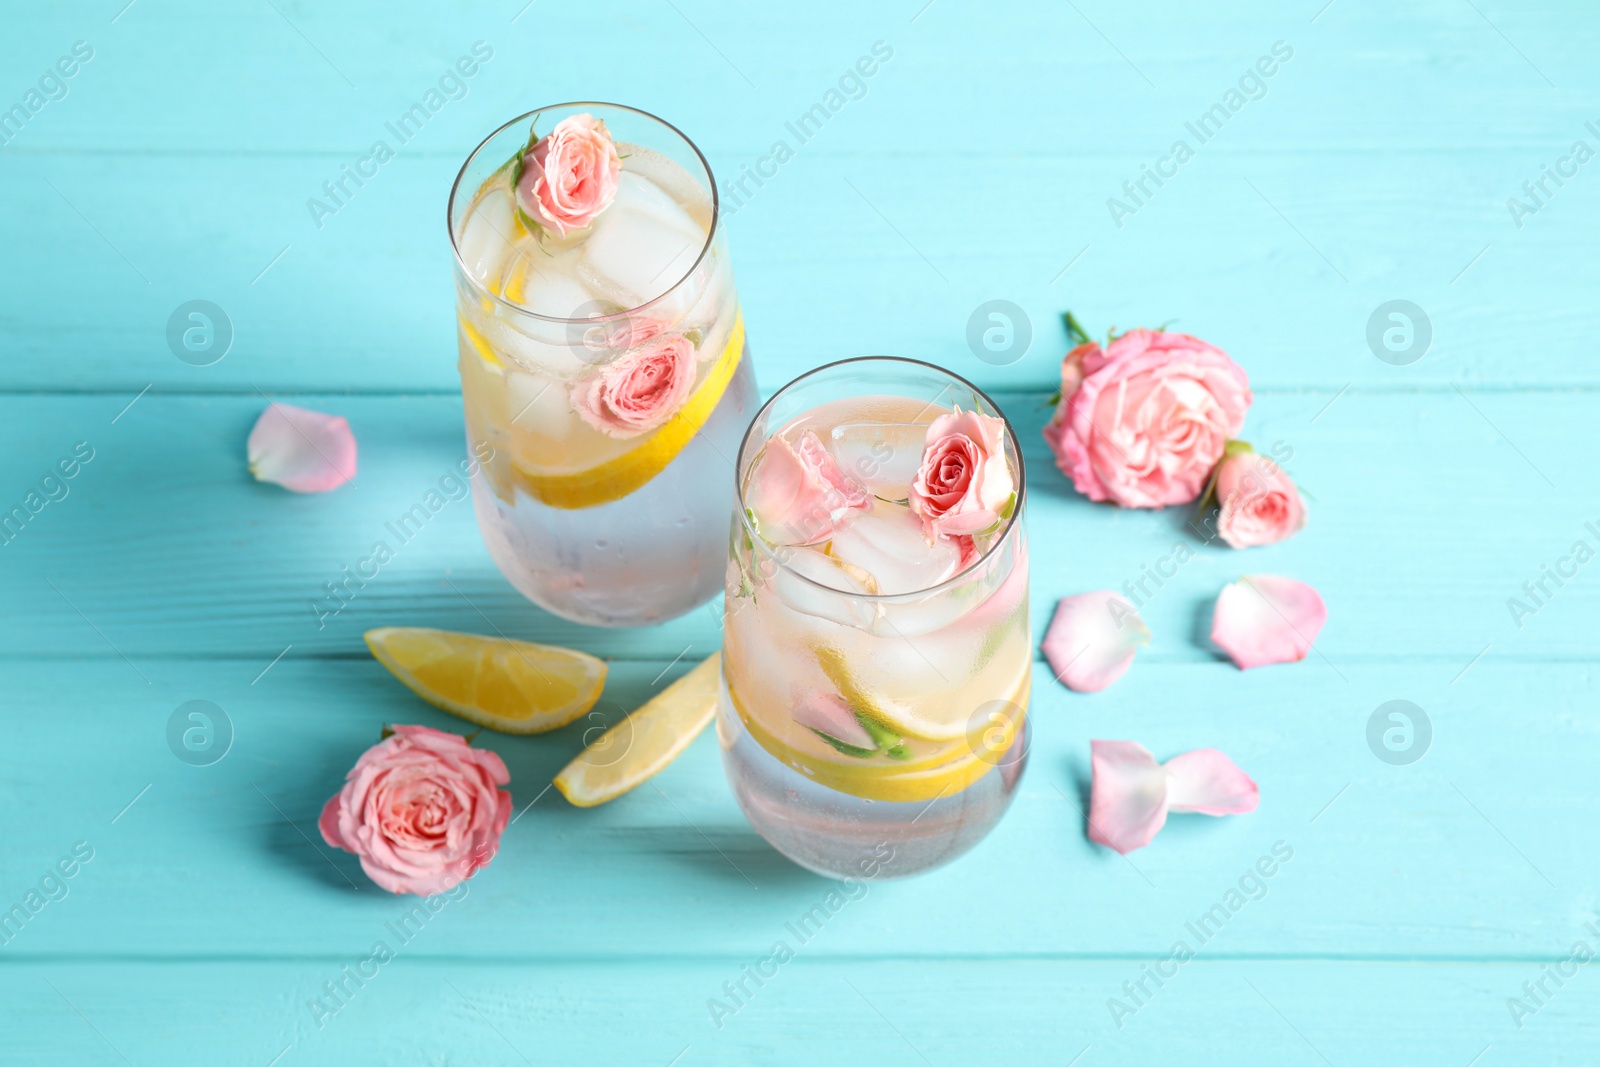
516	687
640	746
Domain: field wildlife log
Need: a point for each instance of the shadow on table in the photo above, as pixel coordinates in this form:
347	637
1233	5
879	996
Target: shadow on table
291	828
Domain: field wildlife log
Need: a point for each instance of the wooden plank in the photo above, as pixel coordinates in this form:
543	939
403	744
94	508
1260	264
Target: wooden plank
1364	175
365	303
1477	851
165	545
1425	75
418	1011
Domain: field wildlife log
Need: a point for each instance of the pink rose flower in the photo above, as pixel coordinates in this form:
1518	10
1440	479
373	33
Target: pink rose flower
639	390
570	175
1142	422
798	495
421	810
1259	503
964	484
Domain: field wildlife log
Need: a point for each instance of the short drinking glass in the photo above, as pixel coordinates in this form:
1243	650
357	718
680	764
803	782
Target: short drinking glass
876	650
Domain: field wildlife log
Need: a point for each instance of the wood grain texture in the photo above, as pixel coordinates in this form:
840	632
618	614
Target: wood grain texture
1476	852
976	165
419	1011
165	544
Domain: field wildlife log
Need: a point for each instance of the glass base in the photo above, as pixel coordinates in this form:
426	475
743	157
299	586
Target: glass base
843	836
658	552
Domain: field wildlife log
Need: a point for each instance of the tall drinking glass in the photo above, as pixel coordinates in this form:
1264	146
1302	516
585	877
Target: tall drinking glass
604	368
876	668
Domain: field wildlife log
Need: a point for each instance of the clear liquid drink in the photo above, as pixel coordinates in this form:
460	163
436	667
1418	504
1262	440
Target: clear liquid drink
603	361
876	670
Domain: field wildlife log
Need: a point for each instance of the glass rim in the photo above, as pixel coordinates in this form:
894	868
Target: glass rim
1011	524
478	287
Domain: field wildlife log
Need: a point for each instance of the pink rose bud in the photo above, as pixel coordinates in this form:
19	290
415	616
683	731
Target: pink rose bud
1143	421
639	390
570	175
797	495
421	810
1259	503
964	485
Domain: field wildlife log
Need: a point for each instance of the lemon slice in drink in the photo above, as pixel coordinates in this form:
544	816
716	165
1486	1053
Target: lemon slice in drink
516	687
897	716
640	746
947	772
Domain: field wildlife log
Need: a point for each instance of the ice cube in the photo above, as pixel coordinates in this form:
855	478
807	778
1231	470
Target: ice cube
668	176
916	616
883	456
537	404
641	245
797	579
487	235
549	285
536	354
888	543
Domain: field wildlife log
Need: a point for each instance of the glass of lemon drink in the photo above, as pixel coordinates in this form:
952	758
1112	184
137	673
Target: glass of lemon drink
604	369
876	650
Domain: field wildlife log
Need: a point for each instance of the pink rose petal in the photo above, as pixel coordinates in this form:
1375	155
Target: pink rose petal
1127	797
1263	619
830	714
1210	783
1131	793
302	450
1092	639
797	494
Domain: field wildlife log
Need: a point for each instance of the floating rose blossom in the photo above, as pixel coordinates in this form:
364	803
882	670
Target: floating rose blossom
1131	794
421	810
302	450
1259	504
964	485
1092	639
570	175
640	389
1143	421
797	494
1262	619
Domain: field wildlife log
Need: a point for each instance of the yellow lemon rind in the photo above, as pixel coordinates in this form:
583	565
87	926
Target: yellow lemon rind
587	785
927	779
542	721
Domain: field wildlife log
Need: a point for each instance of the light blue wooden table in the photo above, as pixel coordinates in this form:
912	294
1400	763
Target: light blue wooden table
1373	165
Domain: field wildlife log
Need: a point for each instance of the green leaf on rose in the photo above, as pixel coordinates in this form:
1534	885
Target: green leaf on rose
1075	332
